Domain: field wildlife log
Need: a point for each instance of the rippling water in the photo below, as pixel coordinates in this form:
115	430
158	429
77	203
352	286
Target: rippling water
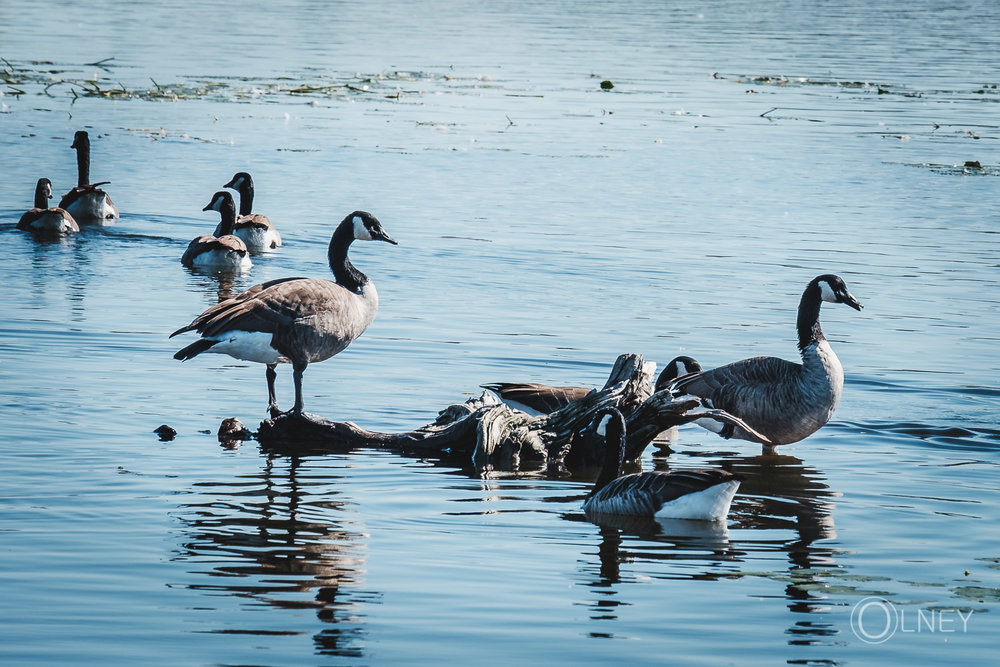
545	227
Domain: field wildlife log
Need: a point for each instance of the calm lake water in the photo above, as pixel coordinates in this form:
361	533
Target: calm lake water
545	226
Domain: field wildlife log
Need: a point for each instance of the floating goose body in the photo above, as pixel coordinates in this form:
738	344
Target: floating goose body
536	399
255	229
295	320
691	494
226	251
87	203
47	220
782	400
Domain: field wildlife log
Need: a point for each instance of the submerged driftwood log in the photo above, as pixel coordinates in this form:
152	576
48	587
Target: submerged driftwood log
495	436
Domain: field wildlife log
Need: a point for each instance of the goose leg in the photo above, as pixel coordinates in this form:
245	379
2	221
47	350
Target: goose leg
297	369
272	402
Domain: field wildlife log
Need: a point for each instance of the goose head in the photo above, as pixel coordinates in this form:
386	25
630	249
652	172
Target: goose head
221	200
81	140
240	180
43	193
832	289
368	228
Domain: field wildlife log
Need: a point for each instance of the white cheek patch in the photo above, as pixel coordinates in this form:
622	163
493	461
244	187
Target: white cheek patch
217	204
826	292
360	231
602	426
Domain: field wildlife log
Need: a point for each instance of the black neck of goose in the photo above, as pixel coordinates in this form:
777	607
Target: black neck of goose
83	162
345	273
614	454
246	198
228	212
41	195
808	320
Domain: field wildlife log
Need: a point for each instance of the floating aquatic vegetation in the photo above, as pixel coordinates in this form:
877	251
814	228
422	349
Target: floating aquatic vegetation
75	81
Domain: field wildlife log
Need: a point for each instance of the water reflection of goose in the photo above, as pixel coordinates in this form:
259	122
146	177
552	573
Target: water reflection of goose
223	250
87	203
297	320
266	542
255	229
46	220
783	400
684	494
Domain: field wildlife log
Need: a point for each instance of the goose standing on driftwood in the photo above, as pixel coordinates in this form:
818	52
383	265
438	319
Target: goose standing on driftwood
46	220
222	250
87	203
255	229
538	399
782	400
295	320
690	494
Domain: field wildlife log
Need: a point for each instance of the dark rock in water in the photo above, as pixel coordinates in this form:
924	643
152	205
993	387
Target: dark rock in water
607	85
973	164
165	432
233	429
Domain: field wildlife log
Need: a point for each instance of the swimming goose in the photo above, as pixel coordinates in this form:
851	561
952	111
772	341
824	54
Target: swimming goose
224	251
536	399
295	320
689	494
87	203
255	229
782	400
44	219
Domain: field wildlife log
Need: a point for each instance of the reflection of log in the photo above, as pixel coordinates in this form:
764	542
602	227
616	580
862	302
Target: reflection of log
496	436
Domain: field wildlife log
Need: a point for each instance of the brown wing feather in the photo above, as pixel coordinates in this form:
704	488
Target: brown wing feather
541	397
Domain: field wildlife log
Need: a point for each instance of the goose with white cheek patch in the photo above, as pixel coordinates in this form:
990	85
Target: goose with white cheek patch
87	203
538	399
255	229
782	400
43	219
295	320
704	495
223	251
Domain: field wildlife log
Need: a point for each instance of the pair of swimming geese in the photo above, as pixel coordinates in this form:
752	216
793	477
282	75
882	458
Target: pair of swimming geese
305	320
237	236
87	203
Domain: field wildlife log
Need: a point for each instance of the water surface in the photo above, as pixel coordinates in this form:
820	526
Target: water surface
545	226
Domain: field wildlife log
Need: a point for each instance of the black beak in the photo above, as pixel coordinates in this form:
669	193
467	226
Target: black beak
379	235
849	299
209	207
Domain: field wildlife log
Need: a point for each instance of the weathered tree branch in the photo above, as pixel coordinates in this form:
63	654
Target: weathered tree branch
496	437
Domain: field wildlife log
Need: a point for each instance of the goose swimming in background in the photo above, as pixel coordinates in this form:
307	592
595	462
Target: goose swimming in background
536	399
295	320
255	229
689	494
223	251
782	400
44	219
87	203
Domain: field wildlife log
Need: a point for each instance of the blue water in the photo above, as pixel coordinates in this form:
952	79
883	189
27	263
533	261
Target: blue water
545	227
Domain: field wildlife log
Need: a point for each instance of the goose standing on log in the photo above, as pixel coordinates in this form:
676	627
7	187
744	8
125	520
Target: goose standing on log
255	229
537	399
43	219
690	494
295	320
87	203
782	400
222	250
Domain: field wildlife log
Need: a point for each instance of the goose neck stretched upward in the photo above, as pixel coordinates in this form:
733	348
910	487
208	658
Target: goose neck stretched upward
81	142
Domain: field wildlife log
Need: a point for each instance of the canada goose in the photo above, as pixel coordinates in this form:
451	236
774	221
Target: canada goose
689	494
295	320
87	203
255	229
782	400
44	219
536	399
224	251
